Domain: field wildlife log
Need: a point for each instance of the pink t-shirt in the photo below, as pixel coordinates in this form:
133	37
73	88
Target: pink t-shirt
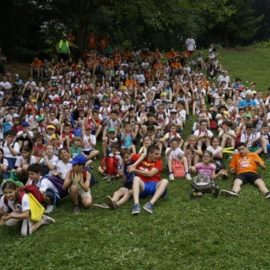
205	169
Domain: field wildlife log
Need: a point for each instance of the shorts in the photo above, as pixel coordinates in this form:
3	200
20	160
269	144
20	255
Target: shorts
87	152
248	177
268	148
82	193
150	189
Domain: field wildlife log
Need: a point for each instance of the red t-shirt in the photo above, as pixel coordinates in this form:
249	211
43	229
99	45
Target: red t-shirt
148	165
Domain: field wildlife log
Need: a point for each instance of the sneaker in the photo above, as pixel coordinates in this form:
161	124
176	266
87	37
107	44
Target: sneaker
48	220
229	193
136	209
112	204
171	176
149	207
49	209
76	210
188	177
267	195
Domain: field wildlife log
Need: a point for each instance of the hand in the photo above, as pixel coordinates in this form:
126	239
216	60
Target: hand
131	169
6	217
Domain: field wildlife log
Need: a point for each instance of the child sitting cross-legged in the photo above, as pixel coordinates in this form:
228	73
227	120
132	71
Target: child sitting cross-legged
77	181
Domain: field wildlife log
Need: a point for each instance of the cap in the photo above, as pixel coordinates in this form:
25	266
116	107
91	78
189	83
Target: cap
57	99
79	160
50	127
111	130
173	111
25	124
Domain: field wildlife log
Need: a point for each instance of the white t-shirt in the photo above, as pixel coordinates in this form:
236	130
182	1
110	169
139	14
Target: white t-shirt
63	168
175	154
210	148
87	145
190	44
6	85
53	160
24	206
199	133
7	153
20	161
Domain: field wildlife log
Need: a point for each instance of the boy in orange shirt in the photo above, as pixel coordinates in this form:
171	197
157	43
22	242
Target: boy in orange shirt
245	165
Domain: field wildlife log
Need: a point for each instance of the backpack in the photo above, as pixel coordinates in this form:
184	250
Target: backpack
58	183
178	168
204	184
27	189
111	164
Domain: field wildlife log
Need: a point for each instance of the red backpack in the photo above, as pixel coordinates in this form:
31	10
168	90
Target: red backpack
28	189
111	165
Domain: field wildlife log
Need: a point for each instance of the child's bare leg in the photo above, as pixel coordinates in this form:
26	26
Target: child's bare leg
101	170
126	196
237	185
93	154
161	187
138	185
74	194
261	185
185	162
170	165
87	201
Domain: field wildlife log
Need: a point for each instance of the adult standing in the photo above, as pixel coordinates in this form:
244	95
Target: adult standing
190	45
147	181
63	49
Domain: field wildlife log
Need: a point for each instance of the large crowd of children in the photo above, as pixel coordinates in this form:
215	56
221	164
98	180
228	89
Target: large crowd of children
130	110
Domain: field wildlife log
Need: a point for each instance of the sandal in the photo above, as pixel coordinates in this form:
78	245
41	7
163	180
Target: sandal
112	204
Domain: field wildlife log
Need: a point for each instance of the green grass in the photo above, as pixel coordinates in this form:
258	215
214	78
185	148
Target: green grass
250	64
182	234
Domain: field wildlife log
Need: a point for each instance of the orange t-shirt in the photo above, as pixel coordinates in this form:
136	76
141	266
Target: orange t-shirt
246	163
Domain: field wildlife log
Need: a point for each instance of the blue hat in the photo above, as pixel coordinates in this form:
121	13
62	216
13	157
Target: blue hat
79	160
25	124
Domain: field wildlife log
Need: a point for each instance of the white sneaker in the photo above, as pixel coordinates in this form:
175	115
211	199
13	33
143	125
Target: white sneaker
49	209
48	220
171	176
188	177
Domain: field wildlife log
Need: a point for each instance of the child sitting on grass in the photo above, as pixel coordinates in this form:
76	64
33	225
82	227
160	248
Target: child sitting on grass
207	169
174	154
15	208
123	194
77	181
112	164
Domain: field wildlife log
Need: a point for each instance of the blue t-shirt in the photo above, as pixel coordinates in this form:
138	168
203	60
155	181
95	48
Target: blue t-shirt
247	103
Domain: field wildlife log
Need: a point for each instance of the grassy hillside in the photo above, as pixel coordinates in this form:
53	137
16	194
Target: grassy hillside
250	64
182	234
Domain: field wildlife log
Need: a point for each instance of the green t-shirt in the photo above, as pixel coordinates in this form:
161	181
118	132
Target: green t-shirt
63	47
74	151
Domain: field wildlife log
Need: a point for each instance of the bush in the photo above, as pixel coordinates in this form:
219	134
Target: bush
262	44
23	54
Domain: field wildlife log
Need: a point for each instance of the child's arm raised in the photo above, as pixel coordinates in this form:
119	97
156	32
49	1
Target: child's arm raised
85	185
67	182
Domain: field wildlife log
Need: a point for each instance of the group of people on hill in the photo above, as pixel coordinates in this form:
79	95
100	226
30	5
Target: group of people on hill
130	110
